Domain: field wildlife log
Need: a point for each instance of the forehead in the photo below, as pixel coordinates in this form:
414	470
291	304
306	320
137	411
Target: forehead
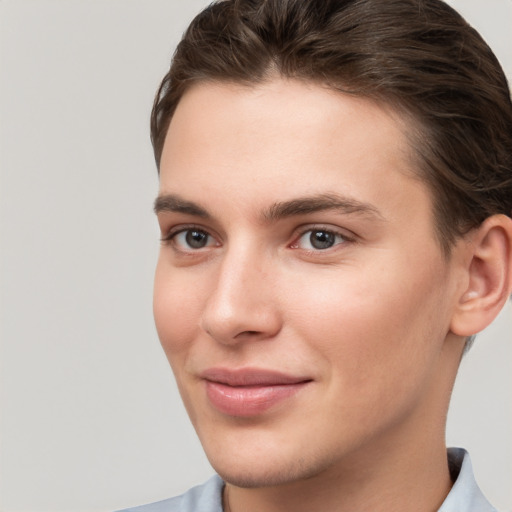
285	108
282	139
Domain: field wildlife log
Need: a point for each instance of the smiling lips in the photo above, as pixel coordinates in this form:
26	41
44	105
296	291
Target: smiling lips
249	392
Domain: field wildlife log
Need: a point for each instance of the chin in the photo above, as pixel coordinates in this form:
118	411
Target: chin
264	470
257	478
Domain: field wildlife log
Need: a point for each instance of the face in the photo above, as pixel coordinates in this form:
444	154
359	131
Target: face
301	295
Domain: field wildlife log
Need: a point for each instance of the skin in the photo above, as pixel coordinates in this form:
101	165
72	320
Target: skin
367	320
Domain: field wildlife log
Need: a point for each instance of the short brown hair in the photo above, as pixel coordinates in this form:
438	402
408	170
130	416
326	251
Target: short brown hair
418	56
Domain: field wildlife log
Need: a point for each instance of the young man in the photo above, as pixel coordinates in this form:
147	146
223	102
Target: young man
335	206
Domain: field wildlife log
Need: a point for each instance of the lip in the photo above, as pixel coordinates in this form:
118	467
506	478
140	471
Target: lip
249	391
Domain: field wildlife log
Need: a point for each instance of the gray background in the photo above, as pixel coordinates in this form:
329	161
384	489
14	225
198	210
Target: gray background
90	418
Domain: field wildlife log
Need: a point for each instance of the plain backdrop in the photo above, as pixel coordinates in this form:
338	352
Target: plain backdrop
90	418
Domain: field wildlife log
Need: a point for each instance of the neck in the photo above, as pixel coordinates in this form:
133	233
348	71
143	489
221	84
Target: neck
419	481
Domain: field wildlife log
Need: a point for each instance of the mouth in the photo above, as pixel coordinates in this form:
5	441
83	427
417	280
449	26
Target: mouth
250	391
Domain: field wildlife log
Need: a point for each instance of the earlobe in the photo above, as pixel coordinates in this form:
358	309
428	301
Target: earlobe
488	279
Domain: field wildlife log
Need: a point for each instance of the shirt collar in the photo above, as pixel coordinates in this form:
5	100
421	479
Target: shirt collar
465	495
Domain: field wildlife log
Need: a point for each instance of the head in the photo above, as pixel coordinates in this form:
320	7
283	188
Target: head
332	181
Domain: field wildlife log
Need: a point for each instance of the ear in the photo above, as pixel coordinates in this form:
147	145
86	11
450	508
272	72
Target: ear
488	276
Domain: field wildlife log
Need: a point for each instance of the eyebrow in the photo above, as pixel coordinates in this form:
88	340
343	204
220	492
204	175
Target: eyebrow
174	203
277	211
318	203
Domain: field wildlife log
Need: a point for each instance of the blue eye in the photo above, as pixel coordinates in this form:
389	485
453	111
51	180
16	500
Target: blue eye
319	239
193	239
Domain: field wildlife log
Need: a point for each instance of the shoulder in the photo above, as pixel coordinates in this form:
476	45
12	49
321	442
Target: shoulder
204	498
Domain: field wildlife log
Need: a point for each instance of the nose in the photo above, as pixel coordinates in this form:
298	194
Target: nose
243	301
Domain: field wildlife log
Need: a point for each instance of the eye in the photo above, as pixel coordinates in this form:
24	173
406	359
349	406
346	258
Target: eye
319	239
192	239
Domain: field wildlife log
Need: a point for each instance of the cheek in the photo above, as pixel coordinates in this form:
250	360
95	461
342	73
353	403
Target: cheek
176	309
373	326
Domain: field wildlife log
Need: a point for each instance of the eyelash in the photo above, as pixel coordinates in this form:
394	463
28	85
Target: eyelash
337	234
170	238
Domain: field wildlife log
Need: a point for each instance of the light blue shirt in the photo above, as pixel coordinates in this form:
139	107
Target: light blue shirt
465	495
